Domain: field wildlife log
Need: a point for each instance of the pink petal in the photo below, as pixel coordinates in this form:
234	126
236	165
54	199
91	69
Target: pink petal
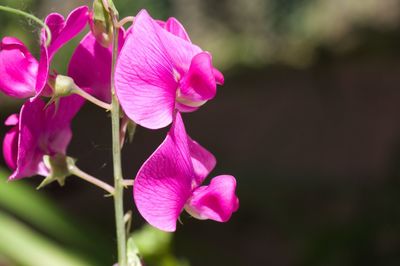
173	26
90	66
64	30
10	142
219	77
43	70
29	157
12	120
18	69
57	131
203	161
144	77
163	183
10	147
43	131
199	83
148	68
216	201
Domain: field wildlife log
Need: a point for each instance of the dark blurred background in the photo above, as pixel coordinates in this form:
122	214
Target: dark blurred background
308	122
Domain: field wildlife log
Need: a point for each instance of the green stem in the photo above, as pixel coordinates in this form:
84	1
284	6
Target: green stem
29	16
90	98
116	149
91	179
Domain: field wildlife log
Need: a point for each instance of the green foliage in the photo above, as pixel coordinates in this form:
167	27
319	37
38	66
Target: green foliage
22	244
154	246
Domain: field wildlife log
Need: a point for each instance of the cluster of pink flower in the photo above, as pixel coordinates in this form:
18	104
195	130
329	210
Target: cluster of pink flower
159	74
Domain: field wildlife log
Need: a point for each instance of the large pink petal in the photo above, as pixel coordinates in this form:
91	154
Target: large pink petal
179	51
30	154
216	201
64	30
199	82
18	69
90	66
43	131
57	129
163	184
144	76
203	161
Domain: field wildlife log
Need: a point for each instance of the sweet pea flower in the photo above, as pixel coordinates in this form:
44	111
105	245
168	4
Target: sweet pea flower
159	71
90	66
38	131
22	76
170	181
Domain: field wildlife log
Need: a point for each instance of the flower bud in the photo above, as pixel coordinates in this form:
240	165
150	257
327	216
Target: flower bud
62	86
101	24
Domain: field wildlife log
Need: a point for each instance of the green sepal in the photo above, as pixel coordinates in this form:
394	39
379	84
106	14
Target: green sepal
59	166
62	86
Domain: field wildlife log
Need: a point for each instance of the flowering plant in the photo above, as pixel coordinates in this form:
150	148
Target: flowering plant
147	74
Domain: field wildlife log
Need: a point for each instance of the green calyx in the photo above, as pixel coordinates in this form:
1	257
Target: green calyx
59	166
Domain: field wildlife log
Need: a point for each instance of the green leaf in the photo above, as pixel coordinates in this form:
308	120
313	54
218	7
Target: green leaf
151	241
28	248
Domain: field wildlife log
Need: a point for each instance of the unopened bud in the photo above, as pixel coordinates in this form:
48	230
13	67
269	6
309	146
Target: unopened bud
101	24
62	86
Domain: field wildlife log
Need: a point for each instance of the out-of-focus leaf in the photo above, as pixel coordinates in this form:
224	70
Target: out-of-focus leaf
26	247
154	246
151	241
133	253
28	204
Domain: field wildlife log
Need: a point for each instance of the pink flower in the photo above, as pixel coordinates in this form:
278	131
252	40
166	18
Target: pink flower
90	66
159	70
169	181
22	75
38	131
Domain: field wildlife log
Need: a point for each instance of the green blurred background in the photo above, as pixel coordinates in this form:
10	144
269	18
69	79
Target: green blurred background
308	121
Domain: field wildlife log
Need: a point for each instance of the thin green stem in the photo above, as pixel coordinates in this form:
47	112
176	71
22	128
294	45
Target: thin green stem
127	182
29	16
116	149
90	98
91	179
125	20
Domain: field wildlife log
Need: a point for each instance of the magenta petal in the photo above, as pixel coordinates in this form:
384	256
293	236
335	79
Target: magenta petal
216	201
64	30
219	77
173	26
10	147
90	66
199	83
18	69
58	132
163	183
29	157
43	131
12	120
144	76
43	70
203	161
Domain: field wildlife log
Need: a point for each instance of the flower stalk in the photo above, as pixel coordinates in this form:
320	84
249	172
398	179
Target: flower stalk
91	98
91	179
116	151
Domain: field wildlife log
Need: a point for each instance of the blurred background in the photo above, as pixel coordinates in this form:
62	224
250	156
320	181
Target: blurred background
308	121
